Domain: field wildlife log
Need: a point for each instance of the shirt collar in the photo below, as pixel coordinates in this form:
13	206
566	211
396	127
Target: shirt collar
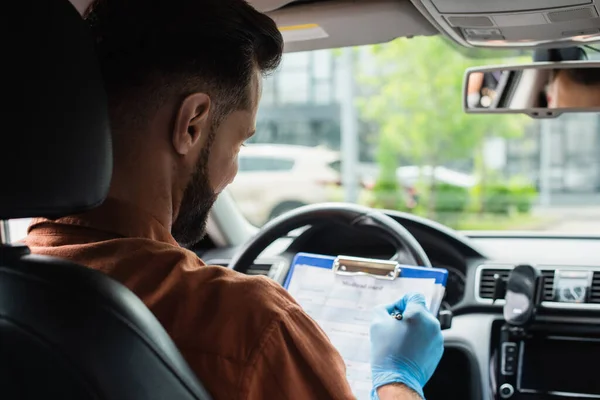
114	217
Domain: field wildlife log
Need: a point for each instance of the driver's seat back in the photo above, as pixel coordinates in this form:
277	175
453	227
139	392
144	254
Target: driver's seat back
66	332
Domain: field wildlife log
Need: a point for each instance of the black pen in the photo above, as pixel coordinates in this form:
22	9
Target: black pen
397	315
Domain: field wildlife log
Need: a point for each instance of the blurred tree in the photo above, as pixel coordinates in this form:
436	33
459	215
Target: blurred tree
414	94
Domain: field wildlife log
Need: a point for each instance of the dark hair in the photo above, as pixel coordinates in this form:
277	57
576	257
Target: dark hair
560	54
582	76
150	50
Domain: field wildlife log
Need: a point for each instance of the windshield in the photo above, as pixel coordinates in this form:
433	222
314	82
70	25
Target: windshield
383	126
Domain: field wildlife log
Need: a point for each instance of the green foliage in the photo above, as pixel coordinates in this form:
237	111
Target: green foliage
417	98
450	198
504	198
387	190
497	199
388	195
414	95
523	194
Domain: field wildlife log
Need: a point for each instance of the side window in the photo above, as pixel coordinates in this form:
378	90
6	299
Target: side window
264	164
281	164
242	164
17	229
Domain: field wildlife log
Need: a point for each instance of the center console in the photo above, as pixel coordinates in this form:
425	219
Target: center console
548	361
533	359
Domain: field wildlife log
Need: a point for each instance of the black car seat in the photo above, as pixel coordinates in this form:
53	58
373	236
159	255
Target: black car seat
66	332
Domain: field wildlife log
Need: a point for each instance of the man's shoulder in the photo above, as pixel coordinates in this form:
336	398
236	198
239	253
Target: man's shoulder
258	294
235	311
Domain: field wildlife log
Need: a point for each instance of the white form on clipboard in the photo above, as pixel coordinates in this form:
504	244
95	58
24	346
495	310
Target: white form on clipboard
339	293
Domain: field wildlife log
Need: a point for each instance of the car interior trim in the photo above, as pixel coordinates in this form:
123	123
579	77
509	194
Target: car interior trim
229	222
552	392
544	304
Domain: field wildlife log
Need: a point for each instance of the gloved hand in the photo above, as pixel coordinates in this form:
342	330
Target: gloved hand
405	351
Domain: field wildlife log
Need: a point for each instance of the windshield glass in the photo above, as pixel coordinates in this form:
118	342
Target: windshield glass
383	126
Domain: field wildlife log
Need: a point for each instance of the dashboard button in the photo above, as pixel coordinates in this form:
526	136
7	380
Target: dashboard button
509	358
508	369
506	391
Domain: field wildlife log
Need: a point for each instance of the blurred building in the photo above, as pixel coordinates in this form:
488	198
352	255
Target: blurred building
574	150
301	103
574	147
298	103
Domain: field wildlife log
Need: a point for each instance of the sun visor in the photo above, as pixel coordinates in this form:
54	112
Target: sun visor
339	23
270	5
515	23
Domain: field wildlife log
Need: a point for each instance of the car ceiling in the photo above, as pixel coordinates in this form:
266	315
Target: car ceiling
321	24
345	22
470	23
350	22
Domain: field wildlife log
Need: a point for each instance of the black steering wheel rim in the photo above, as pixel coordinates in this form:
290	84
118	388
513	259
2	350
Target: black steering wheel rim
316	214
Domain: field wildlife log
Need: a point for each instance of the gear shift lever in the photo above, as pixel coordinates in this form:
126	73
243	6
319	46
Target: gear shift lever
523	295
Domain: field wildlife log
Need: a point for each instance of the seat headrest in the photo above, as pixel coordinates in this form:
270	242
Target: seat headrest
55	148
561	54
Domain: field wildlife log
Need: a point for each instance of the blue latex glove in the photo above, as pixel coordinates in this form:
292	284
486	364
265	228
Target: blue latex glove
406	351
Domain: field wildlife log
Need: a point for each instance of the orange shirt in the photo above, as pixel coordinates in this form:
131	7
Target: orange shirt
245	337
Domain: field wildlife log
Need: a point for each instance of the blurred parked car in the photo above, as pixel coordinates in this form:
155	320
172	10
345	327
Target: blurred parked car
411	174
274	179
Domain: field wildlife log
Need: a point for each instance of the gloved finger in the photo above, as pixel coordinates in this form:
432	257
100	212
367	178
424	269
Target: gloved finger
416	298
398	306
382	310
418	308
382	313
389	308
407	299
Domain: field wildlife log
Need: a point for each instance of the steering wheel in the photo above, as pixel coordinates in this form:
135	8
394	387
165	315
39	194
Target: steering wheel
351	215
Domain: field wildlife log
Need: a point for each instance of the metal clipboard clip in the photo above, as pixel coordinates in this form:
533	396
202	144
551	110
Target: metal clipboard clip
379	269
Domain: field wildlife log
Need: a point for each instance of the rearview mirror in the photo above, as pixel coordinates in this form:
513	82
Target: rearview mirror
541	90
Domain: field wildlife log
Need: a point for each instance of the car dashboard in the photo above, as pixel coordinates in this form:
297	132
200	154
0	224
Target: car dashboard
553	358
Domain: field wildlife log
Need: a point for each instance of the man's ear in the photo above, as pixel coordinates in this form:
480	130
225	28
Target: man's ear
191	123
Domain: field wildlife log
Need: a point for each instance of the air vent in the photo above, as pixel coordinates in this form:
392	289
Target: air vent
260	269
487	281
470	22
595	292
572	15
548	289
263	267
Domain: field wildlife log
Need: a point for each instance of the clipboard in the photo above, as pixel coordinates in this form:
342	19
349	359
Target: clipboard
385	270
340	293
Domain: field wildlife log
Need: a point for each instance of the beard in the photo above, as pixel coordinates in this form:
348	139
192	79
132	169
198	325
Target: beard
198	198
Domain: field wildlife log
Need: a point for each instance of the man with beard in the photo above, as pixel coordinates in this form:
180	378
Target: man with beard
183	79
574	88
569	87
